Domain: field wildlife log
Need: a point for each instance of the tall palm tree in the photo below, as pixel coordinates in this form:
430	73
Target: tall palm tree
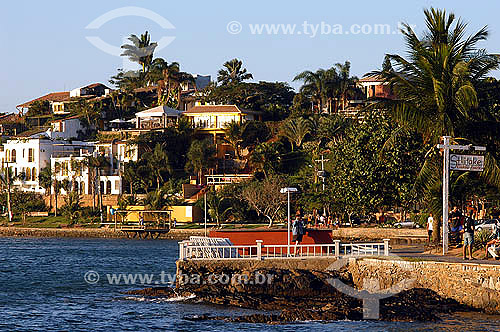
233	134
7	179
159	164
140	50
346	84
233	73
314	85
295	130
436	86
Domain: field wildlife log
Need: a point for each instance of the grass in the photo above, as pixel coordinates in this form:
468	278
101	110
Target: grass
49	222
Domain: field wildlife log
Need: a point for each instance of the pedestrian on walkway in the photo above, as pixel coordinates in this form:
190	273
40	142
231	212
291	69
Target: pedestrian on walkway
468	236
430	227
297	232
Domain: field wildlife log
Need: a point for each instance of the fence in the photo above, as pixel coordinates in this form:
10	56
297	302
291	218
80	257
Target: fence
217	248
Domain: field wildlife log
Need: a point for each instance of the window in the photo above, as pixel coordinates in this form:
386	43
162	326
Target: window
31	155
27	174
13	156
33	174
7	155
102	187
108	187
117	185
64	168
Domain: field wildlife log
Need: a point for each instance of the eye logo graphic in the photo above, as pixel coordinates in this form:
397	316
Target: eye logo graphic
370	293
125	12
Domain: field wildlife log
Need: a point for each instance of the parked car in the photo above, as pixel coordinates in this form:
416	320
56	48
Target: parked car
488	224
406	224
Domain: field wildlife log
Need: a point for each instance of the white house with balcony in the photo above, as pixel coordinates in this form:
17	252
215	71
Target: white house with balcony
157	117
29	155
215	118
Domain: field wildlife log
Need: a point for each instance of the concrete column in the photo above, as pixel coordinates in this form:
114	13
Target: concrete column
337	247
386	247
259	249
182	253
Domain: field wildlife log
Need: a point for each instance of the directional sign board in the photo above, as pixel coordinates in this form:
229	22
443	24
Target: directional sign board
467	162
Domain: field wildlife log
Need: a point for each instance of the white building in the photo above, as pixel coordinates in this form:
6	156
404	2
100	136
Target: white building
29	155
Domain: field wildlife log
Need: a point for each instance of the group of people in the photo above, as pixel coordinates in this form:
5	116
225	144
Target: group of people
462	229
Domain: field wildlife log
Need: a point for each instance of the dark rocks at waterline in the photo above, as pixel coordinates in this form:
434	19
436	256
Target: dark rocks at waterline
295	293
408	306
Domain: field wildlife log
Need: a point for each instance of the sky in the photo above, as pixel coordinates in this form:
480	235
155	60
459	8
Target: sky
46	47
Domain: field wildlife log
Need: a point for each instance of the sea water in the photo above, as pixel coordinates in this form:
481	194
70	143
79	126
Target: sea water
43	287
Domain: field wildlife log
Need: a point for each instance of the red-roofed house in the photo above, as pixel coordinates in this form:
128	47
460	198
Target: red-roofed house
374	87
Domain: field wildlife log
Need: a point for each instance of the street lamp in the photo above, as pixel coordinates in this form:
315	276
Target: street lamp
287	191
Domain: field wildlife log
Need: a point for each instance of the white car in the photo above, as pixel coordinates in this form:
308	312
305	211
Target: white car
406	224
489	224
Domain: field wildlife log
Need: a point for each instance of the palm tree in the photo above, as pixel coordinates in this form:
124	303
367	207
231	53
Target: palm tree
233	134
45	180
314	85
201	157
295	130
158	200
159	164
346	83
7	179
95	164
218	207
437	91
233	73
140	50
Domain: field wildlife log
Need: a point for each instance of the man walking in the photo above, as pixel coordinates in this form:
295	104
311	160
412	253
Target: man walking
430	227
468	236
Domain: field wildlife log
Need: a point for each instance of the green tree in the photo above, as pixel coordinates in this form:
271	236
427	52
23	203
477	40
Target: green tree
218	206
295	130
233	134
437	88
233	73
140	50
200	157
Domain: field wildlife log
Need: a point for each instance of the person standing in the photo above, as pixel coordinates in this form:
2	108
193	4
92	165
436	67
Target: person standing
297	232
468	236
430	227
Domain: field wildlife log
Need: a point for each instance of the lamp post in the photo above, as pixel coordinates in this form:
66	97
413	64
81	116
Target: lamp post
287	191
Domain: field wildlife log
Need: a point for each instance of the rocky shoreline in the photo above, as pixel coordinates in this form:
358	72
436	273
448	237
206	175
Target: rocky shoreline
174	234
298	295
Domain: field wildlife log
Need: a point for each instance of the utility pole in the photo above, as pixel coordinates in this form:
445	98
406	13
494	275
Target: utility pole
446	147
322	160
205	210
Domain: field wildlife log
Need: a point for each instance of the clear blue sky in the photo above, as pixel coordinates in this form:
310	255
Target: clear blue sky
45	48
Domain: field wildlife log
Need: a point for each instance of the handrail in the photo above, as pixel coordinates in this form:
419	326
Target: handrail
205	250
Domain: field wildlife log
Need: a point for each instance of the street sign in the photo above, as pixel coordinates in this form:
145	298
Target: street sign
468	162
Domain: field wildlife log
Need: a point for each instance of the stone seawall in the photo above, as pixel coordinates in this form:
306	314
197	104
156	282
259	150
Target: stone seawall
474	286
174	234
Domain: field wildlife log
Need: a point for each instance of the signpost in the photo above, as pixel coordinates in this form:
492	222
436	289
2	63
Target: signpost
459	163
473	163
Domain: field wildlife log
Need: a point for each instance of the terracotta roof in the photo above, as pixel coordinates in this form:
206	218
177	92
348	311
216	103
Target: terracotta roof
53	96
217	109
94	85
372	78
11	118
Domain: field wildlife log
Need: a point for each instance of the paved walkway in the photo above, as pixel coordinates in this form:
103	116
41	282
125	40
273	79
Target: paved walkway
419	251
